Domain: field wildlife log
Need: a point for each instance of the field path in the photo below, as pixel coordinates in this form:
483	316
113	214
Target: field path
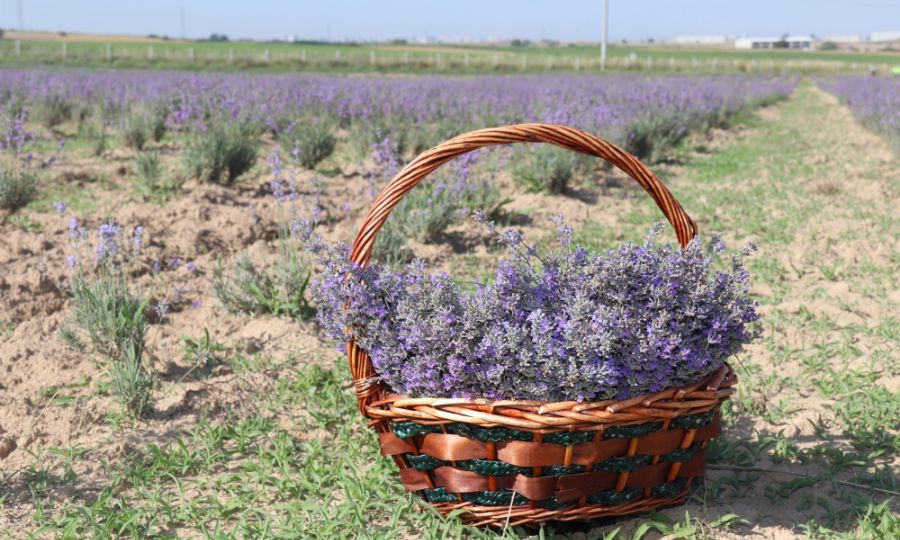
820	392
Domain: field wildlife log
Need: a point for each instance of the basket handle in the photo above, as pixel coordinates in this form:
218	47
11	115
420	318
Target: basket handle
368	388
562	136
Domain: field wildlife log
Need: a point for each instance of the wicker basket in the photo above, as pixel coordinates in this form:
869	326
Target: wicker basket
530	462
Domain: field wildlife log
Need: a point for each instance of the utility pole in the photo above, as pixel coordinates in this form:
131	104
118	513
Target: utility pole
182	23
21	19
605	34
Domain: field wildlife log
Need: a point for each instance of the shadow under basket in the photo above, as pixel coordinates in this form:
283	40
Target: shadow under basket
532	462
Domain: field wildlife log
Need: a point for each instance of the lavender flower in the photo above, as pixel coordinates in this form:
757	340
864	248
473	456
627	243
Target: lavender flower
174	263
570	325
71	261
60	207
191	267
108	244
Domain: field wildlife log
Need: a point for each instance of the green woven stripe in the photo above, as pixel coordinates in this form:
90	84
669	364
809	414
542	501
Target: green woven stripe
667	491
623	463
611	498
405	430
569	439
693	421
439	495
561	470
553	504
424	462
681	454
487	467
629	432
488	434
495	498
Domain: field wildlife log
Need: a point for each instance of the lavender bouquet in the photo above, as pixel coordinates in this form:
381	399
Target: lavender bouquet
568	325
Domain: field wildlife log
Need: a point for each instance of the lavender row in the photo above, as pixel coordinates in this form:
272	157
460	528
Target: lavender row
632	110
875	101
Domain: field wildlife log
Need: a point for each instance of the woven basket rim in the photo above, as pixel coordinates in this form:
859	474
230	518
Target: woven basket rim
548	417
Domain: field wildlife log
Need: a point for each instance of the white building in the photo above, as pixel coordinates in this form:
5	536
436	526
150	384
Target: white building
700	40
885	36
793	42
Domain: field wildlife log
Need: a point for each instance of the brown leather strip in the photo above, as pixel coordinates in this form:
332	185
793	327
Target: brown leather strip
413	480
529	454
536	489
450	447
578	485
391	445
461	481
593	452
696	466
649	476
660	442
710	431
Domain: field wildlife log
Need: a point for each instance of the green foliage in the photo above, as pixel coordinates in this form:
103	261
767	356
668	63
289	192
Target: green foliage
390	247
116	323
17	187
143	126
132	381
148	168
112	316
53	110
221	154
251	289
93	132
312	142
546	169
204	352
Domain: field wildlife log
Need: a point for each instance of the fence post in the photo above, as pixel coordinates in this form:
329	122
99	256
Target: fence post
496	59
371	58
466	60
577	63
524	61
65	49
437	60
303	55
150	52
337	55
231	56
191	54
18	48
266	56
108	52
406	57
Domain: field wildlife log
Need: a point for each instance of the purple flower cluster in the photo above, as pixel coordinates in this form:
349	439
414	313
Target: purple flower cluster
571	325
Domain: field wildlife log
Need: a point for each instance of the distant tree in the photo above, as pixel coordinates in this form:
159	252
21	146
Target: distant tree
218	37
782	43
650	40
520	43
1	33
398	41
63	33
828	46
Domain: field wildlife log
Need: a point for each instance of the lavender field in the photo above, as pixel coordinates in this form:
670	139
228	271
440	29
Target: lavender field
162	373
874	100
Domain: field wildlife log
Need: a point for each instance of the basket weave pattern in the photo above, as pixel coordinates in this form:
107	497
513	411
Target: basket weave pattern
522	462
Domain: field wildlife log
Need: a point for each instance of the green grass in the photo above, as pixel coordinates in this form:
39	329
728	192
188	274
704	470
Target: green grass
371	57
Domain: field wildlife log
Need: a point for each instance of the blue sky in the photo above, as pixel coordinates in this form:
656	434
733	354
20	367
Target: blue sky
474	19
